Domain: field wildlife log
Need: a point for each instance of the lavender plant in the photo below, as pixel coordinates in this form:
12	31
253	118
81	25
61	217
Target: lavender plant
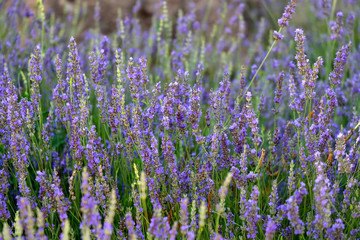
184	130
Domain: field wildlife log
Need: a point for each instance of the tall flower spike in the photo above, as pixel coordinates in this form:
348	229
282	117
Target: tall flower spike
173	231
293	215
184	216
316	68
90	214
336	230
6	234
168	150
287	15
252	119
18	226
40	225
159	227
62	202
252	216
193	217
337	27
27	217
65	230
35	69
142	185
344	164
322	201
292	93
270	229
4	188
130	226
108	228
278	91
291	178
202	216
302	63
273	198
74	76
337	74
284	20
223	191
194	111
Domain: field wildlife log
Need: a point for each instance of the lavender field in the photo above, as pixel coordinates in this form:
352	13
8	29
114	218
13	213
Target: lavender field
242	127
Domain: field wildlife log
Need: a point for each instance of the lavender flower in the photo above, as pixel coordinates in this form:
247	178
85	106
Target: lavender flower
278	91
293	215
287	15
184	216
253	121
27	217
74	76
302	63
336	231
130	227
194	111
35	68
344	164
274	198
291	179
252	216
337	27
108	228
337	74
4	186
145	121
90	214
277	36
270	229
159	226
322	201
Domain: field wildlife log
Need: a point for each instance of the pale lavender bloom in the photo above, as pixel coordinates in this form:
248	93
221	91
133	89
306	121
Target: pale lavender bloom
270	229
273	202
35	68
300	193
27	217
277	36
337	74
159	226
302	62
351	184
4	187
292	209
184	216
336	230
287	15
278	91
322	199
251	214
89	206
292	92
130	226
337	27
252	119
344	164
194	112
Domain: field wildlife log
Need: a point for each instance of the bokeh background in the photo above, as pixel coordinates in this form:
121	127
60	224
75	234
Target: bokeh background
145	9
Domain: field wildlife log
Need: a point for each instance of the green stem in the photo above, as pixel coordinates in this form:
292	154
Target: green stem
146	222
333	9
217	223
259	68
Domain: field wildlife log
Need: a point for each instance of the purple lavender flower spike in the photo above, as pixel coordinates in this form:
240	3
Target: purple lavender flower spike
252	216
270	229
337	74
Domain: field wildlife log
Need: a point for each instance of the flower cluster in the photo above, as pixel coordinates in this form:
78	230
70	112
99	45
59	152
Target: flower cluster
192	127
